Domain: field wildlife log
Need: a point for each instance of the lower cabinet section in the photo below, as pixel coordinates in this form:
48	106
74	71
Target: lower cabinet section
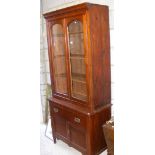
81	131
70	127
72	134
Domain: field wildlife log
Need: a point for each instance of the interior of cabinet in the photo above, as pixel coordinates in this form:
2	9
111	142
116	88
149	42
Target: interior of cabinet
59	58
77	60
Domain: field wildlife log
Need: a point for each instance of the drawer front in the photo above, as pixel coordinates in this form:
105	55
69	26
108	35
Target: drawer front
76	119
72	117
57	111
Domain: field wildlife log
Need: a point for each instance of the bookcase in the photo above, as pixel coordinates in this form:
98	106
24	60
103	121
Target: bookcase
79	56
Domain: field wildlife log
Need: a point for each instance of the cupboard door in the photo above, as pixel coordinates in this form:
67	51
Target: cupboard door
77	136
60	126
77	58
59	59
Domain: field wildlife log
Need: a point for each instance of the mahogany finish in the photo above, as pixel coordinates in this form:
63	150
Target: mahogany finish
79	55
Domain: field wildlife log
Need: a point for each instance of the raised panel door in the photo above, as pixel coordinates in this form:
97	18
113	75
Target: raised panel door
77	136
60	126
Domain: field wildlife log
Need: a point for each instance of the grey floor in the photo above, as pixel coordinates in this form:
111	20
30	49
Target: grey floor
47	147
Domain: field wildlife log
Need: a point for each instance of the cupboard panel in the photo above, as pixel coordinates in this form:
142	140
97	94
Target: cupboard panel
60	126
77	136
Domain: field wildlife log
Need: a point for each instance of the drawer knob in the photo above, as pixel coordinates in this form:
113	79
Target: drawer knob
77	120
55	109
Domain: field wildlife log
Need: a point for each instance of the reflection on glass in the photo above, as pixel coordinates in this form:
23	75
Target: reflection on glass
59	59
78	68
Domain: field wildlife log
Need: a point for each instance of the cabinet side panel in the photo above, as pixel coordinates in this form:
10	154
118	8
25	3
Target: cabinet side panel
100	118
100	46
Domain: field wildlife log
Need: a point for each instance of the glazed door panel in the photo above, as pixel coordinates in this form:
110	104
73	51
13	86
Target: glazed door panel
77	58
59	58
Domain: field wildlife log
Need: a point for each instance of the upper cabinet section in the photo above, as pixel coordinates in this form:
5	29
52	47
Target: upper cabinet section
68	57
59	59
79	54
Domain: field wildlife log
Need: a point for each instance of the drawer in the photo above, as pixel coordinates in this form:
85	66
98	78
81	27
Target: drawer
72	117
57	111
76	118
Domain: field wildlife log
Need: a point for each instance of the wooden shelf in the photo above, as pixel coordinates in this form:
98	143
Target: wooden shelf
58	35
73	33
75	57
78	76
80	81
79	96
79	50
59	56
78	55
60	75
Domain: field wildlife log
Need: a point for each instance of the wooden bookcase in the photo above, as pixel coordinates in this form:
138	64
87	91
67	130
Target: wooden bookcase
79	55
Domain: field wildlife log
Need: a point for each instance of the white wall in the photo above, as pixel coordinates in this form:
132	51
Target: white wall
51	5
44	67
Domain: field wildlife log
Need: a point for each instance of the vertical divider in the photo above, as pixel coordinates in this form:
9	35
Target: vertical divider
67	58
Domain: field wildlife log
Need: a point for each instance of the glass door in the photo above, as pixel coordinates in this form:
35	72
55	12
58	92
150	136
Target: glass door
59	59
77	60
